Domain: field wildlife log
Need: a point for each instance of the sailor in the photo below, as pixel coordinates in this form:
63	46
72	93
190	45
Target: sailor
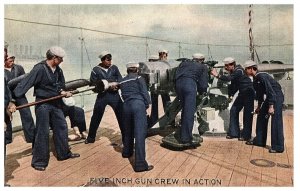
199	57
191	77
12	71
9	108
48	81
270	100
153	58
77	119
245	99
105	71
166	100
136	101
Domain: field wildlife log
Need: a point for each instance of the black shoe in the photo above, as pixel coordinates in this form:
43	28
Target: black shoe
89	140
252	143
150	167
70	156
230	137
274	151
6	185
243	139
74	155
39	168
126	155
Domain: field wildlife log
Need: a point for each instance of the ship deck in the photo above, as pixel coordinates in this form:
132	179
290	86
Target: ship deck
217	162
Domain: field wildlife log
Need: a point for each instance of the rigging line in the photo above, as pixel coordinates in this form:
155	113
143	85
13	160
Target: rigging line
87	54
269	31
251	43
209	53
258	60
112	33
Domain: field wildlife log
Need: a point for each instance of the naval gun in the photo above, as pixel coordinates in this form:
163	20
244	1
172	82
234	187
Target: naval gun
212	114
160	78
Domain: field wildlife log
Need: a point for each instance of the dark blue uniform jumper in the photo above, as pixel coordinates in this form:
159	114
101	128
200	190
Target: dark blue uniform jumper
46	84
136	101
269	92
109	97
245	99
191	77
25	113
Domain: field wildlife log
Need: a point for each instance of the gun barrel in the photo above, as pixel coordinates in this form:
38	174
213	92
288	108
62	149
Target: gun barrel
275	68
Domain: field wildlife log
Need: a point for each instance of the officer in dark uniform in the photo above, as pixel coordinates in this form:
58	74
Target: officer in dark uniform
136	101
11	71
270	100
245	99
191	77
48	81
106	72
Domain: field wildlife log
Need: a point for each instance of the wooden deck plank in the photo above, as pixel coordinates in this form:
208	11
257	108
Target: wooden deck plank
216	159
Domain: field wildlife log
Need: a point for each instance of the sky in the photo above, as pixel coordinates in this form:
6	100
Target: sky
224	27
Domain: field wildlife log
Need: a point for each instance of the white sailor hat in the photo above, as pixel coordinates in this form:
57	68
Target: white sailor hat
228	60
132	65
154	57
249	63
163	50
198	56
57	51
104	53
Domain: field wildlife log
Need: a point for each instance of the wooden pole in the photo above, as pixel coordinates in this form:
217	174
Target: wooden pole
52	98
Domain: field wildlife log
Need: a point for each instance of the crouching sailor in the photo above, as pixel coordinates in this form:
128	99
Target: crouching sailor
136	102
191	77
48	81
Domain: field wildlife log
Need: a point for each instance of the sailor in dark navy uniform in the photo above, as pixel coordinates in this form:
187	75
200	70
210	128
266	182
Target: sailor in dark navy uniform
245	99
9	106
48	81
107	72
77	119
136	101
270	100
12	71
191	77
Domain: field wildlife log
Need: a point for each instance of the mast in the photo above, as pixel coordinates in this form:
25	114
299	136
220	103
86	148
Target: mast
251	45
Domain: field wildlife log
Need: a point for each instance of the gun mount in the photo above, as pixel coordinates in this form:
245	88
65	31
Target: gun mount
159	77
212	113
